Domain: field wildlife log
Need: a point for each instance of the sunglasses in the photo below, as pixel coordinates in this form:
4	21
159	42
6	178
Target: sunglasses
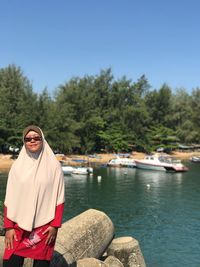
34	138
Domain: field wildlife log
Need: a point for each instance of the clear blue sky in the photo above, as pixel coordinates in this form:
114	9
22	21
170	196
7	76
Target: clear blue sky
53	41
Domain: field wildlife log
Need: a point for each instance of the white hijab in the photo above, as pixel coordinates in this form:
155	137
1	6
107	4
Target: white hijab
35	187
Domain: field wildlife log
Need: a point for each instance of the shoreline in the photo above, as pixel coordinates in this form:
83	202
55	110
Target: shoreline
6	161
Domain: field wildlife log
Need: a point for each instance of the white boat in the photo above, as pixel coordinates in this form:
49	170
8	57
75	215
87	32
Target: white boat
77	170
195	158
160	163
122	162
67	169
82	170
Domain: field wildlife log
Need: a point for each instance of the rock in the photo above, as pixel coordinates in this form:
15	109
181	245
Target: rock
91	262
84	236
113	262
127	250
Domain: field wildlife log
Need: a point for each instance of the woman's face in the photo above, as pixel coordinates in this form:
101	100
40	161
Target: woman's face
33	142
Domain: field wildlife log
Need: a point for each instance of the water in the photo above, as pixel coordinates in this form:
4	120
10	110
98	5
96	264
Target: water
161	210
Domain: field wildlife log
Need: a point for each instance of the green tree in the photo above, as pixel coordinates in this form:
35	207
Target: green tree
162	137
158	104
113	139
17	103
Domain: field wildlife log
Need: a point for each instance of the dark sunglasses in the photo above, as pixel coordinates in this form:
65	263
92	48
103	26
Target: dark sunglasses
35	138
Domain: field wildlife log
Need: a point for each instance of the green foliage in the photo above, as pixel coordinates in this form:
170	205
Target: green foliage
113	139
17	105
97	113
162	137
158	104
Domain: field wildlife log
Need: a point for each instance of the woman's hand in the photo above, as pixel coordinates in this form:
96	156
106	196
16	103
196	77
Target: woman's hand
52	233
10	236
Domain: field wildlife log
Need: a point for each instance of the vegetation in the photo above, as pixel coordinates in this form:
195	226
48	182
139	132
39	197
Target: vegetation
98	113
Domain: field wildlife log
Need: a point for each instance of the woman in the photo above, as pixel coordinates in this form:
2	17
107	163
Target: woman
34	202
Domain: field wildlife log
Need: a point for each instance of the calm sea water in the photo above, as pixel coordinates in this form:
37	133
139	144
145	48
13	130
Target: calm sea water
161	210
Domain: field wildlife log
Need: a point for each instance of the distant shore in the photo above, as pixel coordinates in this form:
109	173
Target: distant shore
6	160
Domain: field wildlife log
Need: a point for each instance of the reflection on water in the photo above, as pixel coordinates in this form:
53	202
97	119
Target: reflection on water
161	210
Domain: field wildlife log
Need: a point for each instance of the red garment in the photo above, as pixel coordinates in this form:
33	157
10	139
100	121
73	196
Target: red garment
32	244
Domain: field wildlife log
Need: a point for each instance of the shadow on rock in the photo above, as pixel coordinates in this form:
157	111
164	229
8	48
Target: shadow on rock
59	260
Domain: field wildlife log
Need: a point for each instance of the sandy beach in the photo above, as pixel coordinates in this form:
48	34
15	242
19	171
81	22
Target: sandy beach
6	160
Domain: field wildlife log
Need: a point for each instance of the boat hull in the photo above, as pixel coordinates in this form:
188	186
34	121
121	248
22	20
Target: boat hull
147	166
195	159
67	169
176	169
153	163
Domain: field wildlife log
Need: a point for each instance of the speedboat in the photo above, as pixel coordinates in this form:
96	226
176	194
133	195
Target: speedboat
195	158
67	169
159	162
122	162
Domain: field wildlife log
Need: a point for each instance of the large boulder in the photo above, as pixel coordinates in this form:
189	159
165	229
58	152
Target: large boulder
127	250
113	262
84	236
91	262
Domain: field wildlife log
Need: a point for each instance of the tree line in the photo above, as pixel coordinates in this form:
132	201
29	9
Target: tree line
98	113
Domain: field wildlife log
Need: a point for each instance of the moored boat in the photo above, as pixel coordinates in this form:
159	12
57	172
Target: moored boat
122	162
195	158
161	162
67	169
76	170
